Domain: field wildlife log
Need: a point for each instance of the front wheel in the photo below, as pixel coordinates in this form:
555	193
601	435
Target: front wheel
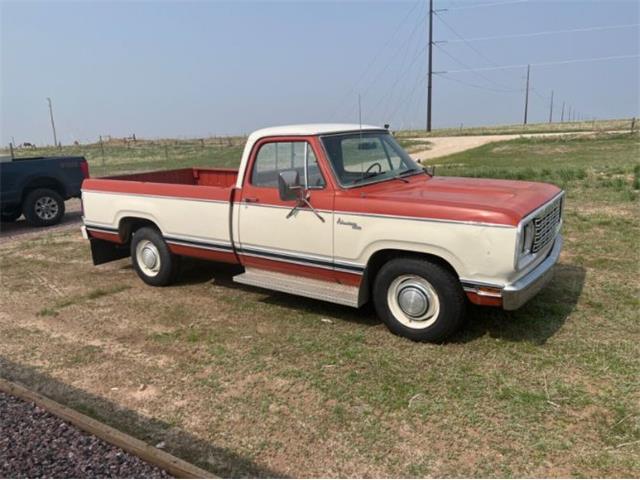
152	260
418	299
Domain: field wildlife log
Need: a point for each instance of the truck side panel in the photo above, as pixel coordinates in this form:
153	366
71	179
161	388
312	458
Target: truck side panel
196	223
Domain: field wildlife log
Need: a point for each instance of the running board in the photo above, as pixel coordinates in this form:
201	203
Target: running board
305	287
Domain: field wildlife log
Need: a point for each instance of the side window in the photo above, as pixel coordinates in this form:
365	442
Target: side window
276	157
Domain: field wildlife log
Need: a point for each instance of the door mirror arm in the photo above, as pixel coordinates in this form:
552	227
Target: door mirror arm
289	189
303	200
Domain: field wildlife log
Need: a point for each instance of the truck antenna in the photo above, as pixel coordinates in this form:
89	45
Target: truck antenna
360	114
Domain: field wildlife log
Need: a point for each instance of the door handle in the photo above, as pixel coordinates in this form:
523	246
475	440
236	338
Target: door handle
250	200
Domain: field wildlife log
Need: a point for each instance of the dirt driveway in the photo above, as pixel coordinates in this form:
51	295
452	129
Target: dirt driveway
21	229
443	146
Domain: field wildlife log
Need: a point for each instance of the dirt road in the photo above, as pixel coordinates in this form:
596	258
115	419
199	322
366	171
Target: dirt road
20	229
442	146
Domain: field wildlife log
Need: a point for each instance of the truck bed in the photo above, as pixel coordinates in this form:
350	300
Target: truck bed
190	207
199	183
208	177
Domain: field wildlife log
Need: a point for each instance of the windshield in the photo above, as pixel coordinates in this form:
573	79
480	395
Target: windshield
366	157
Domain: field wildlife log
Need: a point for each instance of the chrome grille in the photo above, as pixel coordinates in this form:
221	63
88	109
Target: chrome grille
546	223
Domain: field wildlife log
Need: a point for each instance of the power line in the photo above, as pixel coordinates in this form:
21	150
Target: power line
543	64
546	32
404	66
489	80
475	85
378	54
462	39
482	5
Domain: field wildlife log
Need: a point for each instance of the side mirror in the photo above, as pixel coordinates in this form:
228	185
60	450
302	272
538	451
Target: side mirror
289	185
430	170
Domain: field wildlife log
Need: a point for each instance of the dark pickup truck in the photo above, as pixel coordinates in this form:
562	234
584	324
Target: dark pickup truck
38	186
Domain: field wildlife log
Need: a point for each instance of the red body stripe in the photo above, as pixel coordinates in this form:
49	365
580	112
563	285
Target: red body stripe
226	257
109	237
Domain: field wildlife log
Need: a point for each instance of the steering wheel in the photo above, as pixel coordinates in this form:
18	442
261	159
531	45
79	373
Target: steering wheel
373	165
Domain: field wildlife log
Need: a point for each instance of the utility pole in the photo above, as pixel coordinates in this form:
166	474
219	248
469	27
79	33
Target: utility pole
430	68
569	114
562	115
53	125
551	109
526	96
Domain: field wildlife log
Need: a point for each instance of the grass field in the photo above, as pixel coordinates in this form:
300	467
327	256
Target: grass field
246	382
120	157
584	126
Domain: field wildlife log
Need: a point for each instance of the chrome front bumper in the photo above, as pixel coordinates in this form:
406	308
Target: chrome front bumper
518	293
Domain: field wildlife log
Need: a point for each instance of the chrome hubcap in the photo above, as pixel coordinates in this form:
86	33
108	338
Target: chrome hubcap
148	258
46	208
413	301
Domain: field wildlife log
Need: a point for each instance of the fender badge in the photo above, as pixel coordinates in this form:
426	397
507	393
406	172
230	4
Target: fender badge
353	225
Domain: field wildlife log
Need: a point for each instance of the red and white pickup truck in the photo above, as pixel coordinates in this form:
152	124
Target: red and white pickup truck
339	213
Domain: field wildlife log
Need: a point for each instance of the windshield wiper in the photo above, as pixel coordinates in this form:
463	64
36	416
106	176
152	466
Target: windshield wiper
366	176
401	175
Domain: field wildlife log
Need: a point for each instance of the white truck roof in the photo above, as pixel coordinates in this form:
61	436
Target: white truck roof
293	130
310	129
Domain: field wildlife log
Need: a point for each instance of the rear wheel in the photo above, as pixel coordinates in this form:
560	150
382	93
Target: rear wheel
152	259
43	207
418	299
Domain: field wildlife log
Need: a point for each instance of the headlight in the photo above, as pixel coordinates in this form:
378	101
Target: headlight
527	241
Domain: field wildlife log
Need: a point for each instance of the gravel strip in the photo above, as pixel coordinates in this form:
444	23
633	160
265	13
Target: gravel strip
36	444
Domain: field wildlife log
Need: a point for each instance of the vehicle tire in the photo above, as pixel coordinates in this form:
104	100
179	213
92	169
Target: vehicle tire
419	299
10	215
152	259
43	207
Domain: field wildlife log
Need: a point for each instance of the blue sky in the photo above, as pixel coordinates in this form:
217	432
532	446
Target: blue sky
190	69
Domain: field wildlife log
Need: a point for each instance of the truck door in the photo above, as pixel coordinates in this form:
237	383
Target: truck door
283	235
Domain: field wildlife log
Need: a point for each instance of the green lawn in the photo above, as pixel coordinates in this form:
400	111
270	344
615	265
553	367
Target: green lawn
247	382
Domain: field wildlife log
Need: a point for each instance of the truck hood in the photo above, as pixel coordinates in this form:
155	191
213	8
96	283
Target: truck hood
503	202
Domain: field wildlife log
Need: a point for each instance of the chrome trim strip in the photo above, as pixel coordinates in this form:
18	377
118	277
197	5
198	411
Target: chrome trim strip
203	247
274	255
197	240
252	246
101	229
286	260
478	284
171	197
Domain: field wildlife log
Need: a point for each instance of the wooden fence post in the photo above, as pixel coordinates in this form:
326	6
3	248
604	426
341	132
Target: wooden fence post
102	150
633	124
